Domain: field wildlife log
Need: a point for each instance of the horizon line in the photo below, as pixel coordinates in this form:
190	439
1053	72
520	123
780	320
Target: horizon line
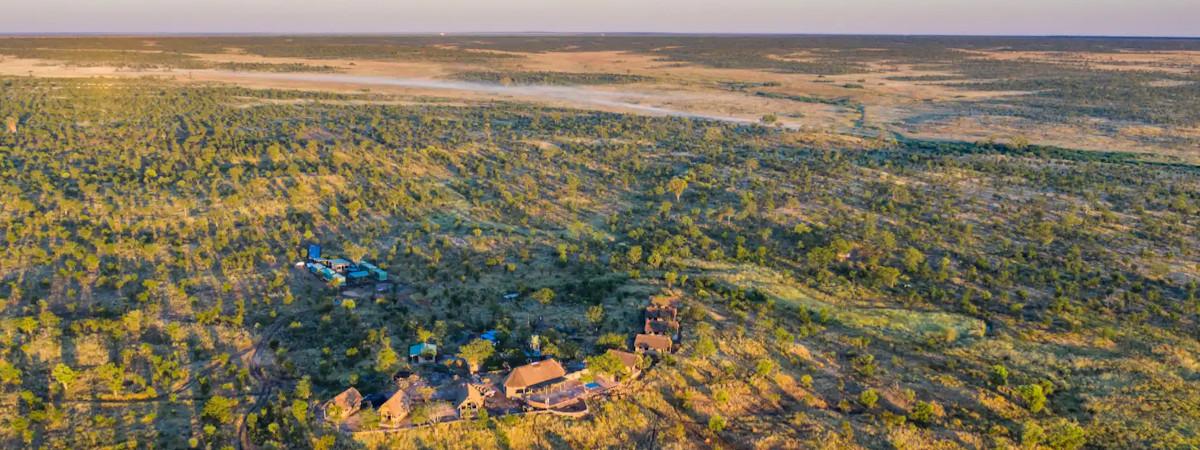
569	33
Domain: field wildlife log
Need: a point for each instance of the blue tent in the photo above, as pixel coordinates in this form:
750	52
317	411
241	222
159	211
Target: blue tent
490	335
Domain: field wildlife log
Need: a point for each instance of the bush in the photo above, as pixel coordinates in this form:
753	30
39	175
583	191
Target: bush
868	398
716	423
923	413
219	409
1065	435
999	375
1034	397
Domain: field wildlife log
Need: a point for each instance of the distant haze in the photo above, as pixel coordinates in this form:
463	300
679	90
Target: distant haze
973	17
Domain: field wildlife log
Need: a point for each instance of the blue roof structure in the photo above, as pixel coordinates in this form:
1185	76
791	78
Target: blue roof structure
490	335
422	348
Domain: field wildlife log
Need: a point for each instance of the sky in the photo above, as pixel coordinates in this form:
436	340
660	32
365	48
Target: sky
971	17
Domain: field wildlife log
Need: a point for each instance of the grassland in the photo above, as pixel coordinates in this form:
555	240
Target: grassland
847	280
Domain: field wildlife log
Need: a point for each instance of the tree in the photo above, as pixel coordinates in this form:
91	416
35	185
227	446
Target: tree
999	375
868	398
368	418
764	367
424	335
543	296
219	409
476	352
677	186
113	375
595	314
355	252
670	278
325	442
353	208
1032	434
716	423
608	363
1034	396
303	388
64	375
1065	434
420	414
300	410
1019	142
611	340
387	359
635	254
923	412
9	374
133	322
706	348
913	259
887	276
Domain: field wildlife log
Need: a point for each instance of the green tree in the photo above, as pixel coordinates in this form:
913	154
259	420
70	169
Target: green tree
219	409
634	254
677	186
763	367
1065	434
9	374
64	375
543	296
913	259
670	277
1034	396
113	375
999	375
300	410
595	314
716	423
607	363
705	347
423	334
868	398
303	388
1032	434
923	413
353	208
476	352
1019	142
886	276
420	414
355	252
387	359
611	340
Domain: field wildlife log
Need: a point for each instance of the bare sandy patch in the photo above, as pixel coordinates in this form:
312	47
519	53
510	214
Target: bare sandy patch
1182	62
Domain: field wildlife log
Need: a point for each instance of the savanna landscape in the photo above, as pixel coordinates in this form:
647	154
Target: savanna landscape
718	241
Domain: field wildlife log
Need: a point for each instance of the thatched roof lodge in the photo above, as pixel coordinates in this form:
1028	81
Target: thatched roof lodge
343	405
393	411
533	375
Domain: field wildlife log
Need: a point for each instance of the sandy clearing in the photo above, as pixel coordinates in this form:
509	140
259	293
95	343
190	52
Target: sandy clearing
1181	62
